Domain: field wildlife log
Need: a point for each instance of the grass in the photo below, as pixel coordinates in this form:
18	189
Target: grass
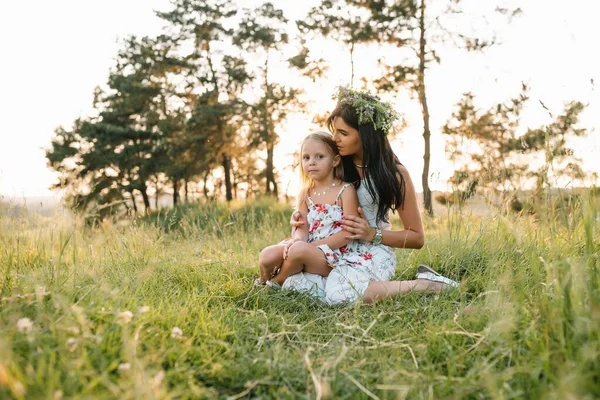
163	307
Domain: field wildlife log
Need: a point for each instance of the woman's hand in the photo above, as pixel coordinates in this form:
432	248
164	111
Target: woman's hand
358	226
296	220
288	245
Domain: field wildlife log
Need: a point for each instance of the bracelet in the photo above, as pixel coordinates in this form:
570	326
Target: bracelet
378	238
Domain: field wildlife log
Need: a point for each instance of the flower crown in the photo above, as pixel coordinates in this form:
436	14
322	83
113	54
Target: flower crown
368	107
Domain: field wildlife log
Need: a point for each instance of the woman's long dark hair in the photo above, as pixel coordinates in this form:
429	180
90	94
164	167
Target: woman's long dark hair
384	182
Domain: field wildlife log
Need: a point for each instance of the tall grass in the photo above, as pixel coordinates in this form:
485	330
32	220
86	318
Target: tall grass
163	307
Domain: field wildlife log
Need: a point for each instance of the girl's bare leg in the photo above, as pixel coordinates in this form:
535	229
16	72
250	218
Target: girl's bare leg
302	257
269	259
381	290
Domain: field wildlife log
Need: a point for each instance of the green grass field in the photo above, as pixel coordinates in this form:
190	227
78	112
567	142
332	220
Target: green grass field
163	307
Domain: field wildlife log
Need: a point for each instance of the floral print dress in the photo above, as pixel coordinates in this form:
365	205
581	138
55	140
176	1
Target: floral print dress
325	220
354	265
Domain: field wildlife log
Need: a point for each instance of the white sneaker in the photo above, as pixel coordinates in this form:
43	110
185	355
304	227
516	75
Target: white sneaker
426	272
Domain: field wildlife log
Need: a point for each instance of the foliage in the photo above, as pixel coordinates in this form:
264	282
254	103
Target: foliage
489	150
174	110
369	109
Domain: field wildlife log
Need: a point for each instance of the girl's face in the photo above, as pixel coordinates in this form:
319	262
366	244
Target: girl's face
346	138
317	160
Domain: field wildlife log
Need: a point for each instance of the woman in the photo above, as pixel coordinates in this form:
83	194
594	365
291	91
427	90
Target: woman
359	124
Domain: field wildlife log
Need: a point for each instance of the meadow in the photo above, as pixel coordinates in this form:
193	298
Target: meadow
163	307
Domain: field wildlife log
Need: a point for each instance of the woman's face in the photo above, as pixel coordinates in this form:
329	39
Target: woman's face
346	138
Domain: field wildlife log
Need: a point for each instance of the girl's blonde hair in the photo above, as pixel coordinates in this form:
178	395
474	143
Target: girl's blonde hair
338	171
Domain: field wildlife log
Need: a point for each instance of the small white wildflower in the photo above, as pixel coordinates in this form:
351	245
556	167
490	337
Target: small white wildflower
41	291
176	333
19	389
143	309
124	367
156	381
125	317
24	325
72	344
77	309
73	330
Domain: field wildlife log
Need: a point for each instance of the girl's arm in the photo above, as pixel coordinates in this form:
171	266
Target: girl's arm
349	203
413	234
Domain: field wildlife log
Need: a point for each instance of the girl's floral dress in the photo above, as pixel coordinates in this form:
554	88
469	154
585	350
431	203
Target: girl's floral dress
325	220
354	265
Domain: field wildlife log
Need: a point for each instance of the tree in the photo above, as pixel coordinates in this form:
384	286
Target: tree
429	27
552	141
262	33
477	144
218	81
490	152
120	149
340	21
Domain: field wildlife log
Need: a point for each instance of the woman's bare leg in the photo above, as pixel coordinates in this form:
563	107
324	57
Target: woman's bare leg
302	257
381	290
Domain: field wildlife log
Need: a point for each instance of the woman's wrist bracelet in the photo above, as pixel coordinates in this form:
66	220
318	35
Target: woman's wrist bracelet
378	238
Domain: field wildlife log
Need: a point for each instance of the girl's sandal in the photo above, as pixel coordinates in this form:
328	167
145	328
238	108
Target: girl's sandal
426	272
269	283
273	285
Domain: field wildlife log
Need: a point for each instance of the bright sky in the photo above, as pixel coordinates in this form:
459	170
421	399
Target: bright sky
56	53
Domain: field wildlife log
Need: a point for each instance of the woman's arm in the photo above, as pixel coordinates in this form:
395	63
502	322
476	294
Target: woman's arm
300	232
296	220
413	234
349	203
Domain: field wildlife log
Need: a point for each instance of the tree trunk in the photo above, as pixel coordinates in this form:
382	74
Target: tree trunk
186	188
270	171
269	137
249	189
234	184
425	109
146	199
204	188
352	63
175	192
135	209
227	172
156	196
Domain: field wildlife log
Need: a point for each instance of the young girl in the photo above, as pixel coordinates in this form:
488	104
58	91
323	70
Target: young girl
321	244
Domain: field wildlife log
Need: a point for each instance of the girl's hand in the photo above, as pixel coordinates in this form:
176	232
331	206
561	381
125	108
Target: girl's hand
288	245
296	220
358	226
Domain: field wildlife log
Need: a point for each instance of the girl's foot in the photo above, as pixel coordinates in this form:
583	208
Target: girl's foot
273	285
426	272
269	283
